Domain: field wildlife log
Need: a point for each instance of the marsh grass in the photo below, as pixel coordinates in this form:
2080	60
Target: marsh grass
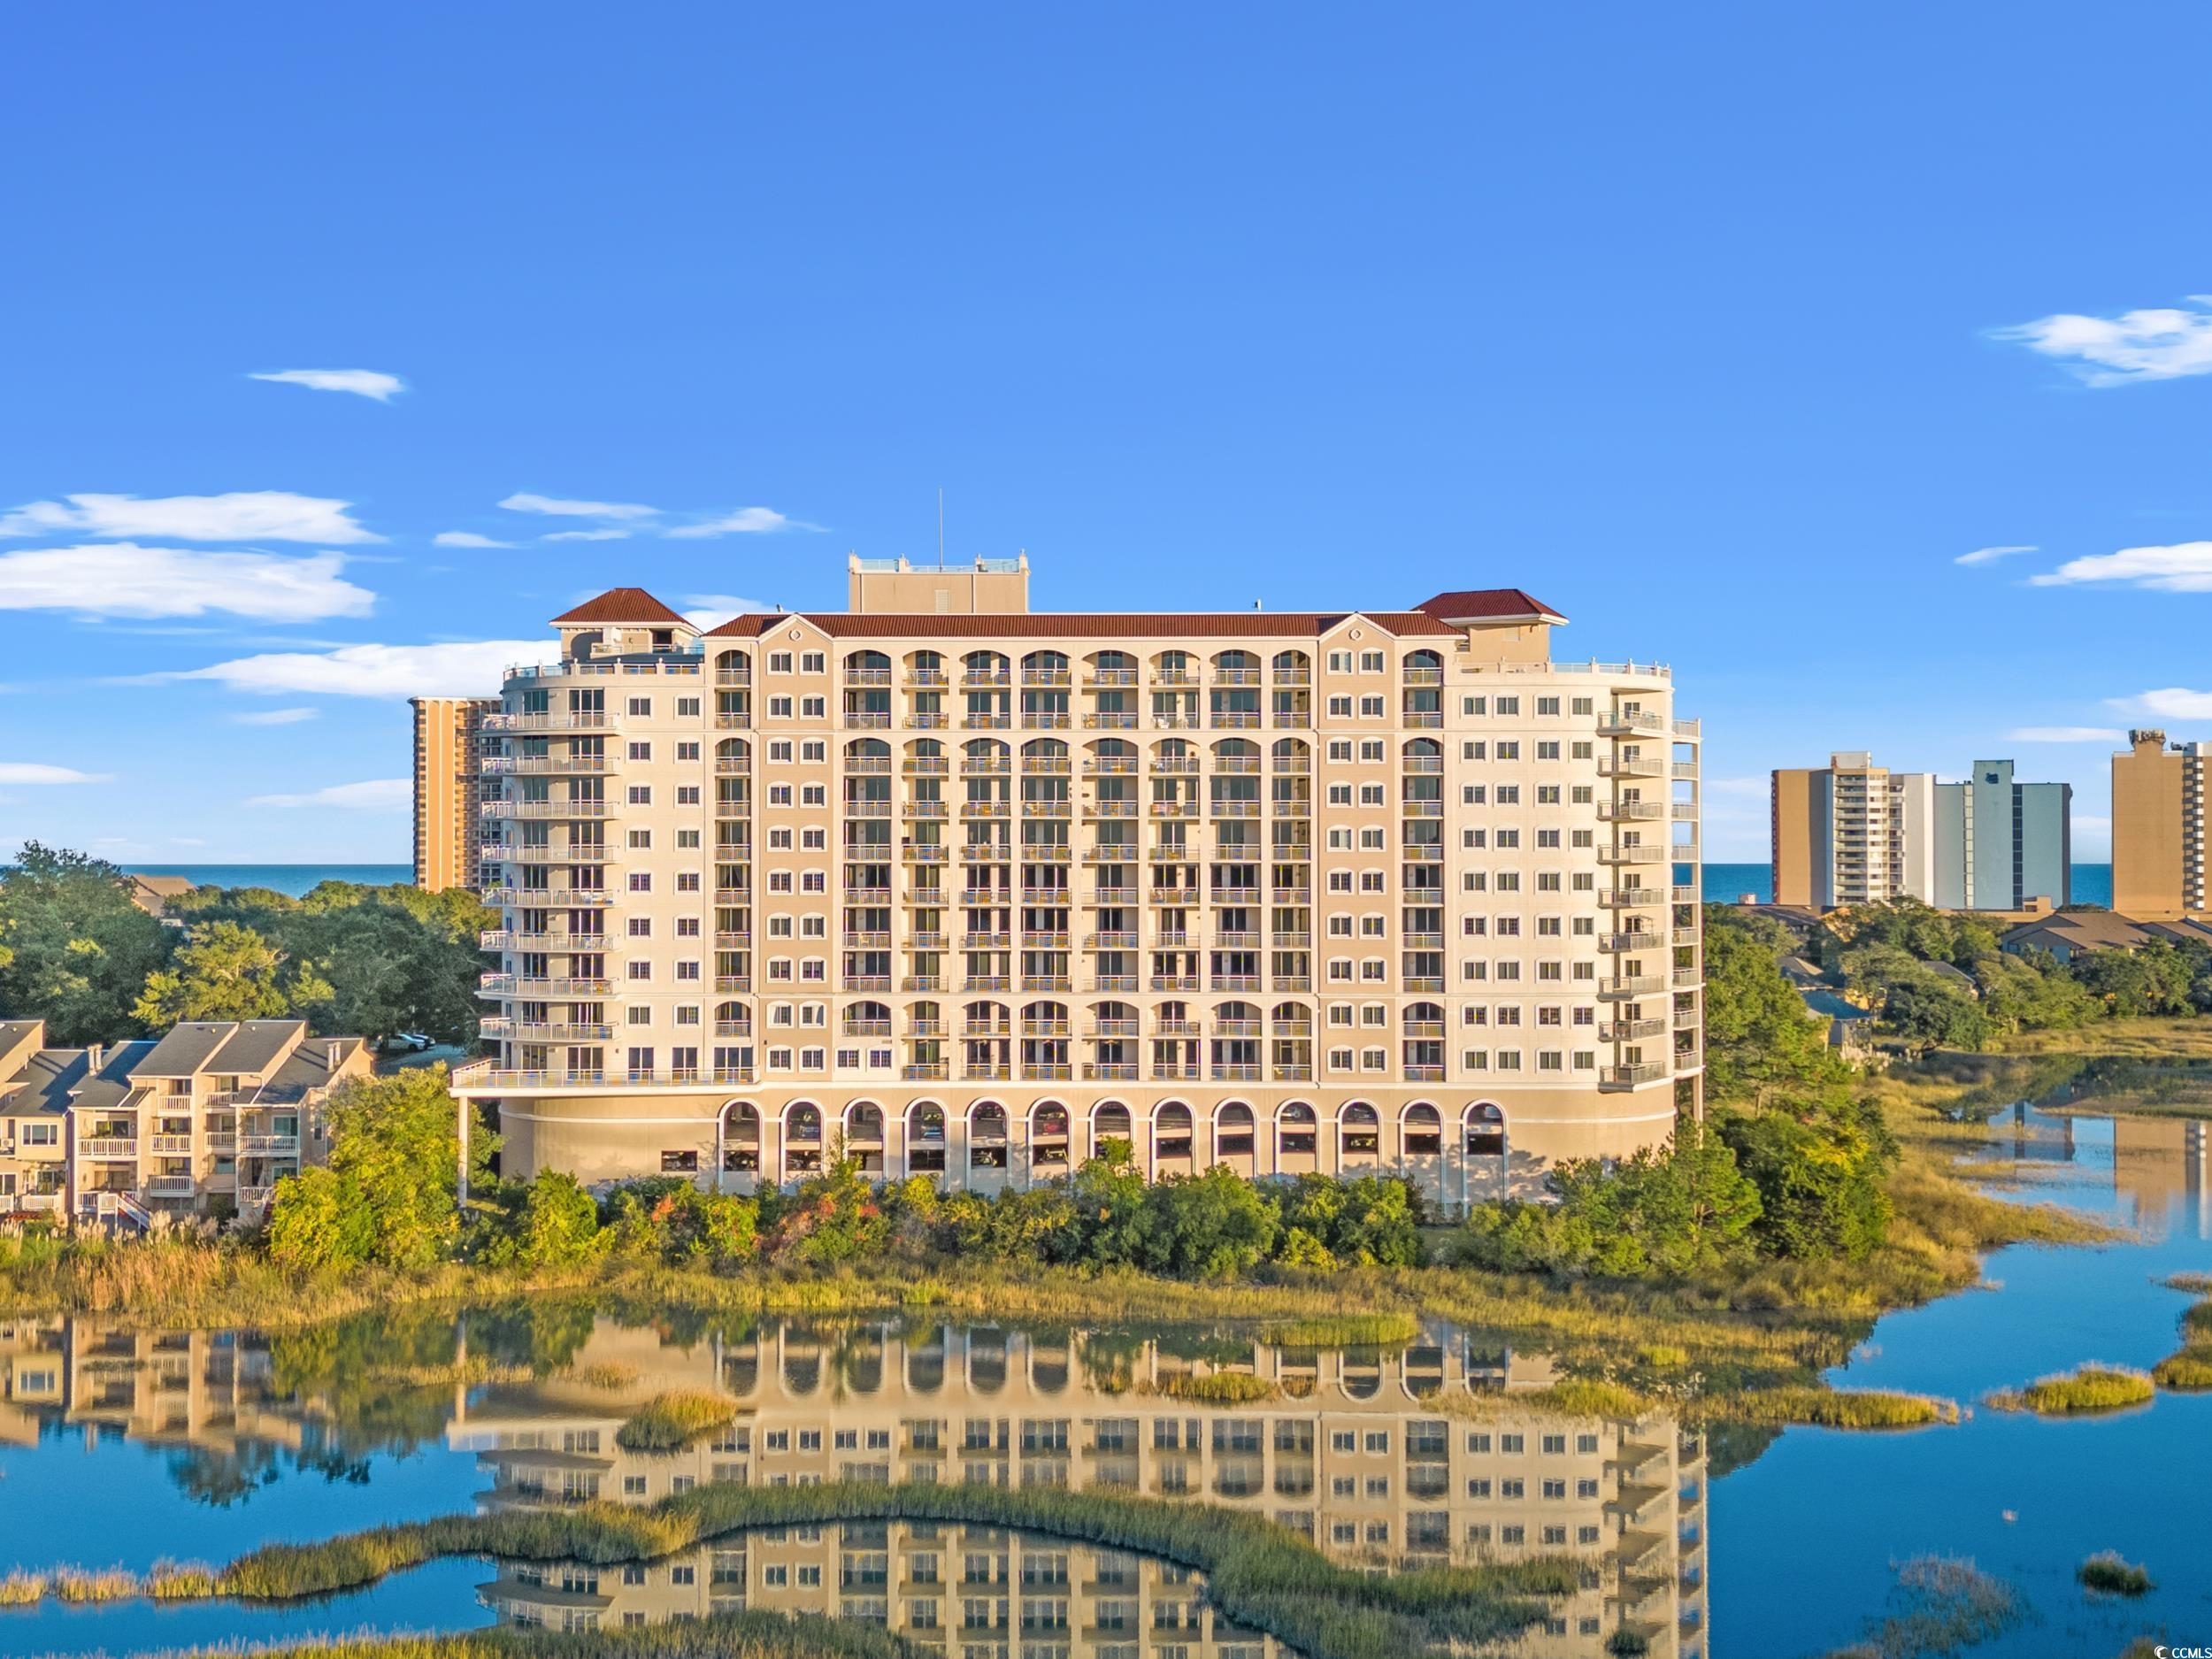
2109	1574
1343	1330
2082	1393
86	1586
462	1373
608	1375
1939	1606
178	1581
1259	1574
749	1635
22	1589
669	1422
1218	1387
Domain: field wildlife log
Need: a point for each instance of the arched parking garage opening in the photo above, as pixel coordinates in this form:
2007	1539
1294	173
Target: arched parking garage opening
863	1136
1049	1138
1423	1130
1172	1139
987	1136
1297	1138
1110	1121
1359	1133
738	1130
925	1138
802	1138
1234	1143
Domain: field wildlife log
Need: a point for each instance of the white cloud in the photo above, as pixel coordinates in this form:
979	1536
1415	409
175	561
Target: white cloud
361	382
276	716
124	580
709	610
588	535
522	500
1739	787
2170	702
1989	554
2065	734
2184	568
2160	344
246	515
30	772
744	521
461	669
377	794
464	538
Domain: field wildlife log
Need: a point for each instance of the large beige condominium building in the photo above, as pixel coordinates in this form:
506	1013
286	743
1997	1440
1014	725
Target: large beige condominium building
975	889
449	734
1853	832
2158	805
206	1119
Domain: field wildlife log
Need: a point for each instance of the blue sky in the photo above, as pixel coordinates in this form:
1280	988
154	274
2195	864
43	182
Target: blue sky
1726	330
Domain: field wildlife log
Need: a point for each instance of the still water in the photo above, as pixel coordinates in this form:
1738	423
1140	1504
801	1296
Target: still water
122	1448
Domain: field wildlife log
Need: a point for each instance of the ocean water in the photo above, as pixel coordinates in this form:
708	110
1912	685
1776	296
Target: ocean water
291	878
1725	884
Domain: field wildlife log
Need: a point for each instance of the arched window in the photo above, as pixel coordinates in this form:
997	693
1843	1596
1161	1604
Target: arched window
1296	1130
863	1122
868	668
1233	1131
868	1019
1170	1130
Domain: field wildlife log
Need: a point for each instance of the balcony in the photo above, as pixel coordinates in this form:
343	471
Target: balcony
525	1030
1631	941
1632	1030
1631	766
1642	985
573	720
1110	1072
542	809
548	898
269	1145
1612	1078
1635	855
1615	811
1628	723
107	1147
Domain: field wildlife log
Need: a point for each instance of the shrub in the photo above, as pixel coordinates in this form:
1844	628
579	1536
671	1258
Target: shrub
2107	1574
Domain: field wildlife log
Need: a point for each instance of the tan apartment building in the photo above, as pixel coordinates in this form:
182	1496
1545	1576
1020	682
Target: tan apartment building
204	1120
1379	1458
973	888
448	780
1851	832
2158	805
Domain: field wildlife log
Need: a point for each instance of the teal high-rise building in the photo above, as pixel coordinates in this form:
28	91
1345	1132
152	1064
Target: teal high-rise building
1999	844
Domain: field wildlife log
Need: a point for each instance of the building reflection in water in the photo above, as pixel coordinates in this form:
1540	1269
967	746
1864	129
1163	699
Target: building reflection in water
1365	1451
2160	1168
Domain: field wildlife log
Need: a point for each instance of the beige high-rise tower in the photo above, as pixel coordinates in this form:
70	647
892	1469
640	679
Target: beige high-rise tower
1851	832
448	733
2158	804
973	889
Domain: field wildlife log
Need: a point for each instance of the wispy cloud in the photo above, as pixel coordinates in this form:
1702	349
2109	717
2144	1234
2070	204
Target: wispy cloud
2066	734
2169	703
460	669
610	533
1989	554
2184	568
360	382
522	500
744	521
376	794
464	538
2159	344
31	771
121	579
275	716
249	515
708	611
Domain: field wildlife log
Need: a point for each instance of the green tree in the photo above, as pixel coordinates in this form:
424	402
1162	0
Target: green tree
1106	1194
556	1225
394	1150
1758	1038
226	971
75	951
1214	1225
1820	1170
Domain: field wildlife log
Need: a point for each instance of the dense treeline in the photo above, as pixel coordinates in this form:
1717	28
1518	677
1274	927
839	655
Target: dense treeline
1938	978
76	952
1790	1164
387	1198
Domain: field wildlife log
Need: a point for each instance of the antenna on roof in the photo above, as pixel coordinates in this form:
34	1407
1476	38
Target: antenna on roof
940	527
1257	605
